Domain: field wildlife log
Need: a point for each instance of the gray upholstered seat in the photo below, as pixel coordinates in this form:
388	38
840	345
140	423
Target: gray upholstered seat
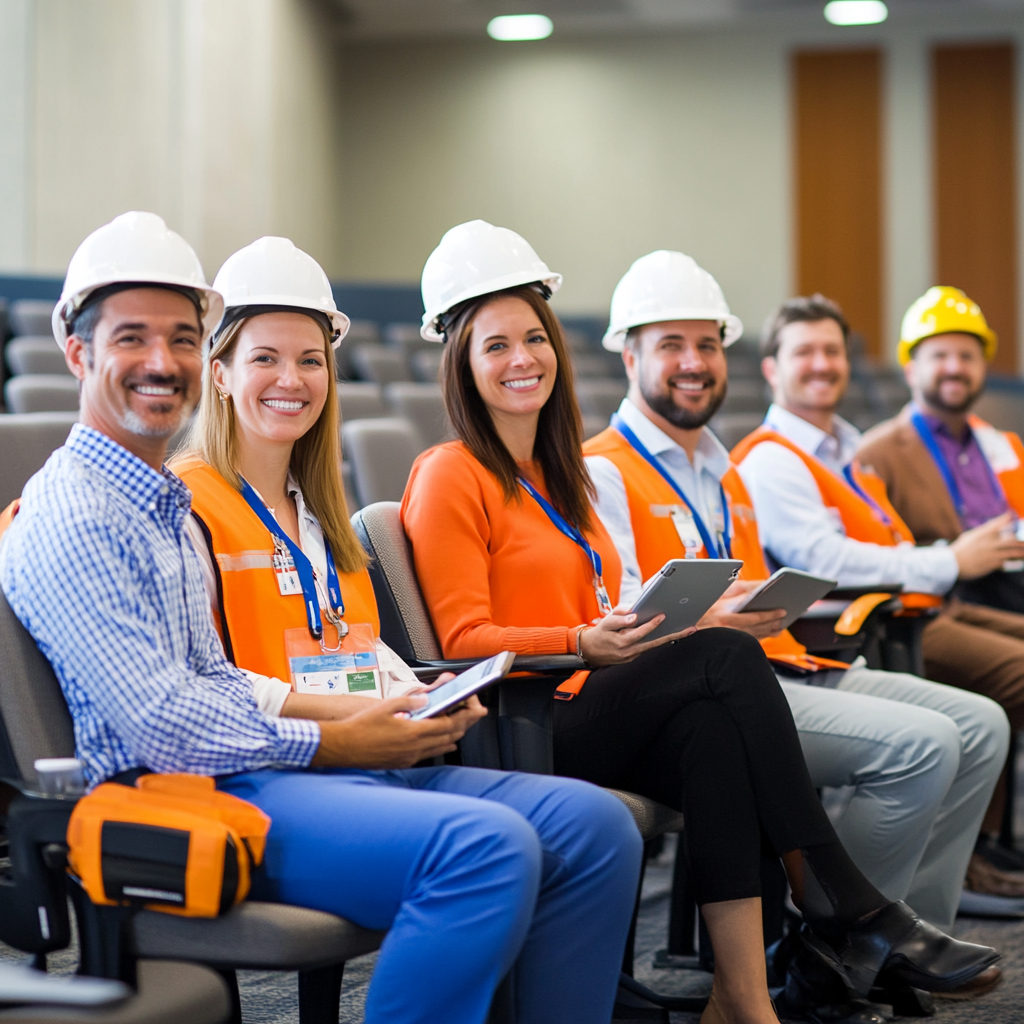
169	992
600	396
423	406
35	355
380	363
381	453
41	392
31	316
361	400
26	442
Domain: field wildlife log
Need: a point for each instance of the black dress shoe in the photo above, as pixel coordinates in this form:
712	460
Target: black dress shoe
896	945
815	994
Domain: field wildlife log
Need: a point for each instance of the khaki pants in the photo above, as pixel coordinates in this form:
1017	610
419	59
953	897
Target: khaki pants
981	649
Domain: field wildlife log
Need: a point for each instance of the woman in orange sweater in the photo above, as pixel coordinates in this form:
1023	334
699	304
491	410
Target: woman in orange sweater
511	556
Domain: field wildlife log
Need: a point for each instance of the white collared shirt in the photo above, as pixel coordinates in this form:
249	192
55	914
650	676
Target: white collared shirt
798	530
700	481
396	677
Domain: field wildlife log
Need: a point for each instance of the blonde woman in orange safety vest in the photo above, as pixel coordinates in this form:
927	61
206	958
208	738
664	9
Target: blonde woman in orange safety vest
471	871
667	489
510	555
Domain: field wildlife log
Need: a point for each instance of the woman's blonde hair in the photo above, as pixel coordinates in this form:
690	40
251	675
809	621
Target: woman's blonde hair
316	457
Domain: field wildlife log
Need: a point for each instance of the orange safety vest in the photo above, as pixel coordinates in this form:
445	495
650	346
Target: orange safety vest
1005	455
860	521
651	501
253	613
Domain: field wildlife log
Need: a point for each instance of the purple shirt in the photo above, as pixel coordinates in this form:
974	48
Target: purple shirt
983	498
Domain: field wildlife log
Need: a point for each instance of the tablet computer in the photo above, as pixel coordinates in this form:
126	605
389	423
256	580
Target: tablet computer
791	589
683	590
465	684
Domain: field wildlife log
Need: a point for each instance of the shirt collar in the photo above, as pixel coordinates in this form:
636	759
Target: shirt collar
939	427
711	453
840	447
143	486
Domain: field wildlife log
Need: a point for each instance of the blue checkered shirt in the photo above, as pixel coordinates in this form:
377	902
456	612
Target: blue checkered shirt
99	569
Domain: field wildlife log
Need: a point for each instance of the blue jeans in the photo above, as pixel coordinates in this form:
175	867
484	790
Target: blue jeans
471	871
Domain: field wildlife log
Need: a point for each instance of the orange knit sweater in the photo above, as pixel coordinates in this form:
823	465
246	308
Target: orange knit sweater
497	576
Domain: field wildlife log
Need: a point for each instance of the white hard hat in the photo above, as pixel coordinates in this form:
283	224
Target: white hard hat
665	285
273	272
135	247
475	259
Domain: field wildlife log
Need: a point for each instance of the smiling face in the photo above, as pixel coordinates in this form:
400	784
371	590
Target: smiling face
512	360
810	371
276	379
947	372
141	372
678	369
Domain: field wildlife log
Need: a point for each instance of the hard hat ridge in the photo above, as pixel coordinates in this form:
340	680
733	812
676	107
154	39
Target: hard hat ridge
134	249
472	260
667	285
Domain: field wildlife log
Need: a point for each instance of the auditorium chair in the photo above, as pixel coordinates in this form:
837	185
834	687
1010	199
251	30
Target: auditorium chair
41	392
381	453
361	400
600	396
422	405
26	442
380	364
117	942
35	355
517	734
31	317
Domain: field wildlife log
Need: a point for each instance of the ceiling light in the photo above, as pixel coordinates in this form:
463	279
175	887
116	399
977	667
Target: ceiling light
856	12
514	27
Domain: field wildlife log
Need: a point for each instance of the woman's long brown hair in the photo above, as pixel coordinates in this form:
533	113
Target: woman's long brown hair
559	445
316	456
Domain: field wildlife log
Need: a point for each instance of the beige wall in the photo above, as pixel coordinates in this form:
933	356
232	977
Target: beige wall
220	115
599	150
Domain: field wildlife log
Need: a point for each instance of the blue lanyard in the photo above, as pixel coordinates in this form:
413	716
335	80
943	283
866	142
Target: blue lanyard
567	528
303	566
924	431
864	496
713	550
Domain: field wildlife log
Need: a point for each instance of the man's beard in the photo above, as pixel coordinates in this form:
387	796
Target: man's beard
685	419
135	424
934	396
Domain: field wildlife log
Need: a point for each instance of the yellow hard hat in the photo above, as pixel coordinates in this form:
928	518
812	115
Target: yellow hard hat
943	310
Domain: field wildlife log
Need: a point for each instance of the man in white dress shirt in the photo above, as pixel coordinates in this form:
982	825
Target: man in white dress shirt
920	759
796	470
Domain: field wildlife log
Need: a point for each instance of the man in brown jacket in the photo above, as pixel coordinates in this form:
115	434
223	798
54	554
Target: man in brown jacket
946	472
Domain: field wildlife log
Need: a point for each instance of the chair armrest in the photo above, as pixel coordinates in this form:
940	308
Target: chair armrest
852	593
549	664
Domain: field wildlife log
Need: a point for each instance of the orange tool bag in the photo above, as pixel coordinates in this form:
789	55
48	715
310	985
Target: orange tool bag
170	843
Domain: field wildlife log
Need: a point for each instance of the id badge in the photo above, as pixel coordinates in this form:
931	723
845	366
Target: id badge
352	668
285	573
604	604
685	526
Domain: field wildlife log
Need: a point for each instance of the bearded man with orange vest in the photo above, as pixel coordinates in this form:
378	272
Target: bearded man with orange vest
944	469
819	510
922	758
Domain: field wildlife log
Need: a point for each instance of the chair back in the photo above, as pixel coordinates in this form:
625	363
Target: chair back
405	624
381	453
380	364
26	442
600	396
34	717
423	406
35	355
41	392
361	400
31	316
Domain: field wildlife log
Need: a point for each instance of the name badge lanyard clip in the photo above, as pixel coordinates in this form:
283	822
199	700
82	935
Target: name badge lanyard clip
307	578
604	604
928	440
722	549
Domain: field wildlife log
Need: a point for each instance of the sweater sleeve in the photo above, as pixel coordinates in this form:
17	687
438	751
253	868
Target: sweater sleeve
445	518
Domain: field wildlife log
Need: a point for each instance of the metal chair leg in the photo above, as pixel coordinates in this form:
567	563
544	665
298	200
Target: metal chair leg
320	994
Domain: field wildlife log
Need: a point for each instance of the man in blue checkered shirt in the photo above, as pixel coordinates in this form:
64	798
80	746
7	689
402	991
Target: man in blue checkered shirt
470	870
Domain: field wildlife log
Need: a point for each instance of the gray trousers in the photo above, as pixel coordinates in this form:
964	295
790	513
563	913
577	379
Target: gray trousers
916	762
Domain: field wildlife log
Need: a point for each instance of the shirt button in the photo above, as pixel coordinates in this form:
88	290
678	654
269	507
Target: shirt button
152	506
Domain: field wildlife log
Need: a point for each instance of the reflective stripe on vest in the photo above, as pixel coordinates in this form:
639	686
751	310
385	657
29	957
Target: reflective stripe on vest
860	521
1005	455
656	540
254	615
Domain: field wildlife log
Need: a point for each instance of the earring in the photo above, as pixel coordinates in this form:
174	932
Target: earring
222	395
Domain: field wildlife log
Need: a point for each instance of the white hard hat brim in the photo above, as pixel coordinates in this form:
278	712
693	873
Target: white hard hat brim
429	332
210	302
615	337
339	321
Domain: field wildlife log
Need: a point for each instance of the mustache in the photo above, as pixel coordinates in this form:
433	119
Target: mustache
952	378
828	378
156	380
692	378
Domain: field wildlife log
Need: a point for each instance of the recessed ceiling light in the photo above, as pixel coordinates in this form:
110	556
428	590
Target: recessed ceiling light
514	27
856	12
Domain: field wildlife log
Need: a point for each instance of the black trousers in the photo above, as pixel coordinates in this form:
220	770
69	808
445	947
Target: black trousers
702	726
